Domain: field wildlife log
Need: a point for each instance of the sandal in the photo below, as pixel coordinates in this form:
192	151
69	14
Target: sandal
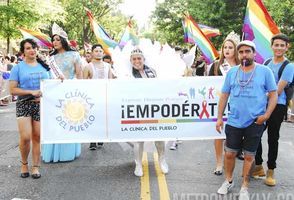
218	172
36	175
24	174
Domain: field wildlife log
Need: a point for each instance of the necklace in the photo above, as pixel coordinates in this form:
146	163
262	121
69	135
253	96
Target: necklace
241	83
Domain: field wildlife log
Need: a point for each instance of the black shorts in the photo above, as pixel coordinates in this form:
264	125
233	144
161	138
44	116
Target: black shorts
246	139
28	109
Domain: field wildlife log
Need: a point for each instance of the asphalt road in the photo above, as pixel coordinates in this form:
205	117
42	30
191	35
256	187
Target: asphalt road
108	173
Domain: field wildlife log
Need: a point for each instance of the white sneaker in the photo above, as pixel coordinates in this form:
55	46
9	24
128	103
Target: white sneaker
225	188
174	146
138	170
163	165
243	194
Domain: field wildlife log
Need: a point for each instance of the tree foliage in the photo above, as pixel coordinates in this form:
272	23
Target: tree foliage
77	24
69	14
282	12
13	16
226	15
167	19
29	14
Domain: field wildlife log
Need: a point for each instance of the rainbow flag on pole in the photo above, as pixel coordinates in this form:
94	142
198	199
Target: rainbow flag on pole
194	35
103	38
42	39
129	34
209	31
259	27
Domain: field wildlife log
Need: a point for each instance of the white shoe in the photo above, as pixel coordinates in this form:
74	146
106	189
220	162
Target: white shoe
163	165
138	170
174	146
225	188
243	194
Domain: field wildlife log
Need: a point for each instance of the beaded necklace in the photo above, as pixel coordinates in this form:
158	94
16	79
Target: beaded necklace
241	84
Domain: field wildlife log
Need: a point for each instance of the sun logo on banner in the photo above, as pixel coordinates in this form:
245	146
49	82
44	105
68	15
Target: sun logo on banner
75	111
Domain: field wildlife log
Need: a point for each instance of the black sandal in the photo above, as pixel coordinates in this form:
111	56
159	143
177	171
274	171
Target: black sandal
24	174
218	172
38	175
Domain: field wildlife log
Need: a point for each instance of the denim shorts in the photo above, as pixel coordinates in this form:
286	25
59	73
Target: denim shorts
246	139
28	109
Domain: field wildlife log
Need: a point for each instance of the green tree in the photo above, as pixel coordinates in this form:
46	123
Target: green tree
282	12
30	14
167	19
226	15
14	15
77	23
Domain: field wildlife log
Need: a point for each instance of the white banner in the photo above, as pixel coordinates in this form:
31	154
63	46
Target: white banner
129	110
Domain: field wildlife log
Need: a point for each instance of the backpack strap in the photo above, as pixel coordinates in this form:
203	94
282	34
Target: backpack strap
267	61
285	63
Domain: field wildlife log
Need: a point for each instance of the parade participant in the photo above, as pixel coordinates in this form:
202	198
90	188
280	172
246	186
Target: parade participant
140	70
13	60
199	67
228	59
69	62
252	86
25	80
88	57
108	59
3	71
280	45
97	69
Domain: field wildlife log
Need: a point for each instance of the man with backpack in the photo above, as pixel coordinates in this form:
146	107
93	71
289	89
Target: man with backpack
283	72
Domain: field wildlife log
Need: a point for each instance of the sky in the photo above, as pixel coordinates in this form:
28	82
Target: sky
140	9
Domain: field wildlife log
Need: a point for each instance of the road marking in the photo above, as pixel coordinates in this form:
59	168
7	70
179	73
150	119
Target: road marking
163	190
145	186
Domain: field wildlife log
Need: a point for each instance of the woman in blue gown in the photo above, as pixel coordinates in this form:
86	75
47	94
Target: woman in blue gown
69	62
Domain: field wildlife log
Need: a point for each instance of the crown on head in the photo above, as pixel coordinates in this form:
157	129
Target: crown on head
57	30
136	51
233	36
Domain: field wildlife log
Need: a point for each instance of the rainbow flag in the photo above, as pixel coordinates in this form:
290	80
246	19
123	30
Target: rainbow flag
102	37
129	34
209	31
194	35
259	27
42	39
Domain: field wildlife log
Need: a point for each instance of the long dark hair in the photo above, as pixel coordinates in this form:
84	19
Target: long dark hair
64	45
34	46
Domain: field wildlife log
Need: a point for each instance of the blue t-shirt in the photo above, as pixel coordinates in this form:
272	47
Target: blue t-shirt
287	75
247	102
28	77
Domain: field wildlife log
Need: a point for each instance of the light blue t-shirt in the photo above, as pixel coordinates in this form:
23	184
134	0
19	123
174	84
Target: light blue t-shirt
247	102
287	75
27	76
66	61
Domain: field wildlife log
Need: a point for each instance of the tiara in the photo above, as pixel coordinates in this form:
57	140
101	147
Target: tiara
136	52
233	36
57	30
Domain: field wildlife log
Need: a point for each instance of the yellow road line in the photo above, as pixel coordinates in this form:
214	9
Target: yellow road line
163	190
145	186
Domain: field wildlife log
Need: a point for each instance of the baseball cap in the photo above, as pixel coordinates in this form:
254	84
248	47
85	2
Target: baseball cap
246	43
